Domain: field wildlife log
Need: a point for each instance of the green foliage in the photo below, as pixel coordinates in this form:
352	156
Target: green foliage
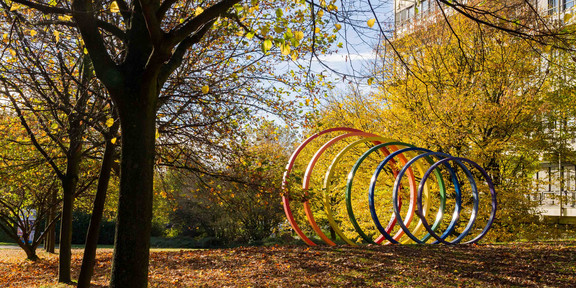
80	222
239	202
4	237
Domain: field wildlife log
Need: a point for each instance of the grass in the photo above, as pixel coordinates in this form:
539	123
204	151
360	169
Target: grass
526	264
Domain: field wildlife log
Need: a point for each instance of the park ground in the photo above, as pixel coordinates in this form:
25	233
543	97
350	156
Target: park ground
528	264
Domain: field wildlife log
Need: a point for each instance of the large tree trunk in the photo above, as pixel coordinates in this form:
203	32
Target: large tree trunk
89	258
132	239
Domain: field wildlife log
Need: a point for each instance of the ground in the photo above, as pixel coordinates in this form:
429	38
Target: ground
535	264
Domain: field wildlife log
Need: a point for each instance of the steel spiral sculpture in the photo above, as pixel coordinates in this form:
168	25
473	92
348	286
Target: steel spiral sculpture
408	157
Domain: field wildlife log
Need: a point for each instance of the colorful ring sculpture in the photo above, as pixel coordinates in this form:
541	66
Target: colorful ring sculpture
396	154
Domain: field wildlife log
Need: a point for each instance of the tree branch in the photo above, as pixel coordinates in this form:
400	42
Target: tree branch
242	25
192	24
108	27
104	66
33	137
152	23
45	9
164	7
178	55
125	11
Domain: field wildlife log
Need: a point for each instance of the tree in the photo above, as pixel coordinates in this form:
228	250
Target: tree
62	97
27	188
239	203
481	95
135	47
108	158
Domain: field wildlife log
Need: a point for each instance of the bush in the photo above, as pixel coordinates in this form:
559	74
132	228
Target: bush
4	237
176	242
80	223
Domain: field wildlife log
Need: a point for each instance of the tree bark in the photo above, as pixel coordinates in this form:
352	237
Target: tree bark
89	259
30	252
69	183
50	240
65	249
70	180
132	238
332	234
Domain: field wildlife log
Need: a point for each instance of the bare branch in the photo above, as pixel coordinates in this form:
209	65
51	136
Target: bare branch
178	55
32	136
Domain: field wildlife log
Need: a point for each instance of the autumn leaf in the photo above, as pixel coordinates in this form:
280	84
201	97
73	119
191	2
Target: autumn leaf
198	11
57	35
299	35
266	45
285	48
114	7
109	122
371	22
66	17
15	6
205	89
294	56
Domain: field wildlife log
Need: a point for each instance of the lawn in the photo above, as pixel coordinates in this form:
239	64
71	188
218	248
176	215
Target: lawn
535	264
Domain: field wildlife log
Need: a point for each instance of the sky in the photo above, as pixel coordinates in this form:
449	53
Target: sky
357	56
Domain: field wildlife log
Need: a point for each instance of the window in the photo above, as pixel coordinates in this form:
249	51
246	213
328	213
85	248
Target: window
402	16
410	12
424	6
552	7
405	15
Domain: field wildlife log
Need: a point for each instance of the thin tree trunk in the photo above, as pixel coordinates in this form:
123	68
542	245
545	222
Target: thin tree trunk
132	239
69	189
70	181
332	234
89	259
50	240
69	184
65	249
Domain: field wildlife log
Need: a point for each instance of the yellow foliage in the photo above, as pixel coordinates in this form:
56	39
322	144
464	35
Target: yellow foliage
481	95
